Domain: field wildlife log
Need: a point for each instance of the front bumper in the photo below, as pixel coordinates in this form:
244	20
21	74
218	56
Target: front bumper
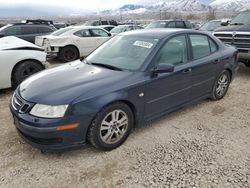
42	134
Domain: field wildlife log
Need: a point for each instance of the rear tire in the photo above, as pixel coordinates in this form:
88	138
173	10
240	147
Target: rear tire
68	53
111	126
25	70
221	85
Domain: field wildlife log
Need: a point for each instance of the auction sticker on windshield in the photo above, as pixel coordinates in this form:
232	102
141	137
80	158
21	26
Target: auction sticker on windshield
143	44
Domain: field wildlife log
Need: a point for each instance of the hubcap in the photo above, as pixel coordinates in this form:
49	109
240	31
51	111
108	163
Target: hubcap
70	55
29	71
114	126
222	85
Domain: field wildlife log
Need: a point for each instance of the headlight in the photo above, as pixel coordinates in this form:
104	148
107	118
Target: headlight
46	111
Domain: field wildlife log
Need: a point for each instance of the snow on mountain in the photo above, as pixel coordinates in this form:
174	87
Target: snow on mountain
185	5
230	5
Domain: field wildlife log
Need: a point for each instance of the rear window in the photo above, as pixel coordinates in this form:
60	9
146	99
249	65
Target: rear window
160	24
61	31
180	24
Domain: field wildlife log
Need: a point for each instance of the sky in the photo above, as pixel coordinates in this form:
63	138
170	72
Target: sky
91	5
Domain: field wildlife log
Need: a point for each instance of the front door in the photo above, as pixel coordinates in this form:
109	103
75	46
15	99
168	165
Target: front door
169	90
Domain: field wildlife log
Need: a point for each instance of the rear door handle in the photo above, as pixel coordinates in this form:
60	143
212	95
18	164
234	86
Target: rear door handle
187	71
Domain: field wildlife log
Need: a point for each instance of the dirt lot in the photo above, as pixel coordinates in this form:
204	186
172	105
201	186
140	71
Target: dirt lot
205	145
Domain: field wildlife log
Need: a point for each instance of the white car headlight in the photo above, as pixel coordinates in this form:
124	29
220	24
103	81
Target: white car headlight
47	111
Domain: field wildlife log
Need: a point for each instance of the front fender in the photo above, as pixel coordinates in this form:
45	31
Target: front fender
91	107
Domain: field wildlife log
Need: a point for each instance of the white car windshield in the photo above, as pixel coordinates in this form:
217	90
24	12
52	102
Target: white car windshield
123	52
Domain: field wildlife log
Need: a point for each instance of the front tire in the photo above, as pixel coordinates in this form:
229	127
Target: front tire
111	126
221	85
24	70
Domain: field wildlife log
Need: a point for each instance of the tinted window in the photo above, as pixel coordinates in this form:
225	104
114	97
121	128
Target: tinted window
129	28
174	51
213	46
179	24
200	45
83	33
29	30
105	23
160	24
171	25
14	30
45	30
99	33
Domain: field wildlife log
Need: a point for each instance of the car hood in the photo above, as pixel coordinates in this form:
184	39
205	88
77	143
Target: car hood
62	85
234	28
14	43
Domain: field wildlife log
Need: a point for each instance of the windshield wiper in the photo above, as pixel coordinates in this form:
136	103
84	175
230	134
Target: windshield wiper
107	66
237	24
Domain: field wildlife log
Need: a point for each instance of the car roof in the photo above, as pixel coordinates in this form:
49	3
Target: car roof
159	33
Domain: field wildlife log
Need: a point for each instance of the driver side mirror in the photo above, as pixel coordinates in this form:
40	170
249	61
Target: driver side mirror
163	68
109	34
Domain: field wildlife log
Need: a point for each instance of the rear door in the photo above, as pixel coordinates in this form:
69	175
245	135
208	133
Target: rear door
205	59
85	42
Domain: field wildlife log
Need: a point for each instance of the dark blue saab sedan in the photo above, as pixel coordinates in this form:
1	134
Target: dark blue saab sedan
131	79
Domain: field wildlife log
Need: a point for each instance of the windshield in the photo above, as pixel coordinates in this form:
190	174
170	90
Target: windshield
160	24
118	29
61	31
4	27
123	52
210	26
242	18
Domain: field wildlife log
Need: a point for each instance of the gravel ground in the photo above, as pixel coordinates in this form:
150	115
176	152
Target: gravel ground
204	145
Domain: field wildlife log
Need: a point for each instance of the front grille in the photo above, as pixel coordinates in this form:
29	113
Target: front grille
239	40
20	104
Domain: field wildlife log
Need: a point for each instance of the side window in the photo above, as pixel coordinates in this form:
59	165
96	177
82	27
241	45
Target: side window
179	24
129	28
174	52
200	46
83	33
45	30
28	30
171	25
104	22
99	33
14	30
213	46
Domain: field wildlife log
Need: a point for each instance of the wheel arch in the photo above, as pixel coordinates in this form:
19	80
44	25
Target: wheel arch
20	62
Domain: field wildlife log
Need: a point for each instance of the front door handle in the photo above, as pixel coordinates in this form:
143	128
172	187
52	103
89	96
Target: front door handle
187	71
216	61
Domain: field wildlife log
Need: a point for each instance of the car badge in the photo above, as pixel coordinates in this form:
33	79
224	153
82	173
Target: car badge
234	33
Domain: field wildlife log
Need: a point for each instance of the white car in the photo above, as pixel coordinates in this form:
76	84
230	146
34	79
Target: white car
73	42
19	59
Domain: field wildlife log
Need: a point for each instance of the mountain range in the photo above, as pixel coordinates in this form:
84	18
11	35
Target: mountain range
140	7
185	6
